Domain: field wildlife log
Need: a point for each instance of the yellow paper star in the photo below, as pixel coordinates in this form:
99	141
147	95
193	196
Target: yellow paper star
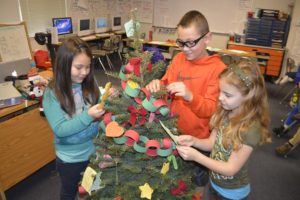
165	168
146	191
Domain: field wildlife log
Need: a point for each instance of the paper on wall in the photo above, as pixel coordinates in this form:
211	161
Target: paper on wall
295	49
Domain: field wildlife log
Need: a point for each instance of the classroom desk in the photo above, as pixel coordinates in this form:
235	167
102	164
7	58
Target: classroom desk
160	43
96	37
26	142
235	53
270	59
119	32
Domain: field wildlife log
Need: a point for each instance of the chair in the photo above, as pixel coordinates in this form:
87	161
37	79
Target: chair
172	52
294	89
113	46
103	52
290	64
289	75
41	59
230	59
97	54
227	59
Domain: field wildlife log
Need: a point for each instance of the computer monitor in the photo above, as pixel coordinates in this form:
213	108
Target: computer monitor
101	25
116	23
84	27
63	25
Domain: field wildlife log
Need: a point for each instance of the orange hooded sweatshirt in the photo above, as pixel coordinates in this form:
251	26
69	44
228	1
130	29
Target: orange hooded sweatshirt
201	77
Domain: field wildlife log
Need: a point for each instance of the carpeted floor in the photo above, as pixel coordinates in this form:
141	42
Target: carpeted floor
273	178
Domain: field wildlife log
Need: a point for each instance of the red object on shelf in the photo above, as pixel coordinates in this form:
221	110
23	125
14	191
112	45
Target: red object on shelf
41	58
150	35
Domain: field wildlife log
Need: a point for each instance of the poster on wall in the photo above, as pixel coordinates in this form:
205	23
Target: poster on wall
14	42
295	50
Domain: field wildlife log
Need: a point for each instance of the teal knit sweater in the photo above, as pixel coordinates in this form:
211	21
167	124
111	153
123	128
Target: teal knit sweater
72	135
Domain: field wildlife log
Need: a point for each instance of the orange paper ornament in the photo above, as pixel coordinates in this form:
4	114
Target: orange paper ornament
113	129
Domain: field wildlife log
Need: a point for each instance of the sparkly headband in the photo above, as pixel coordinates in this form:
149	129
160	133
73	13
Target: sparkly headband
239	72
81	46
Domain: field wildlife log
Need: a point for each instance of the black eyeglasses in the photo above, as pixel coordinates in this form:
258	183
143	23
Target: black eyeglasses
189	44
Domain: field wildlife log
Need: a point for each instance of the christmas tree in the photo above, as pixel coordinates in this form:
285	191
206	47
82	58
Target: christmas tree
135	158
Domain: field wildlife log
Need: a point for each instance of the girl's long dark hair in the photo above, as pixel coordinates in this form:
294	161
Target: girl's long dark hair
62	82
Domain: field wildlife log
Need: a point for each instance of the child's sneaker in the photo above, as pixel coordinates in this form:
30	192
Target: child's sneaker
284	149
281	131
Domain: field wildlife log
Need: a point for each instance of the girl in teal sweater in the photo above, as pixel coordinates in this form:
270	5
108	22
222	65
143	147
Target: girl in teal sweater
70	105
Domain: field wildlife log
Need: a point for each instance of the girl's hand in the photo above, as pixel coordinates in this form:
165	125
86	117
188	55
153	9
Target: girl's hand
187	153
179	89
153	86
95	112
185	140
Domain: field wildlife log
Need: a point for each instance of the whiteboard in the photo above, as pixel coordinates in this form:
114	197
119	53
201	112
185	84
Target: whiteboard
14	42
223	16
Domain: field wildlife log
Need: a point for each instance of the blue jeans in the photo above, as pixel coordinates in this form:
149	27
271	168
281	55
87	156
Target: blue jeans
210	194
70	175
289	120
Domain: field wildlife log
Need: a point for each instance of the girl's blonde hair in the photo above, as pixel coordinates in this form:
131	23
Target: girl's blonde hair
247	78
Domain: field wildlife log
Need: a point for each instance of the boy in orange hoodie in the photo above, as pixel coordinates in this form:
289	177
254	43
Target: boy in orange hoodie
193	77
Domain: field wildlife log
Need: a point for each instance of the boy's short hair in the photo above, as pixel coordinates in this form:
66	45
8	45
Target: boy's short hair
196	18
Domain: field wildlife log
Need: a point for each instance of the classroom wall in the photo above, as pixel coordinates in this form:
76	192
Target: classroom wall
219	40
9	12
293	43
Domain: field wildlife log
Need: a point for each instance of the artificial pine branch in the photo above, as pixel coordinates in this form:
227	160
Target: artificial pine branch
113	74
157	72
135	78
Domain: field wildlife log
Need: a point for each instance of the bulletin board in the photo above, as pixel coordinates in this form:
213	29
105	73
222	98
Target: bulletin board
14	42
222	16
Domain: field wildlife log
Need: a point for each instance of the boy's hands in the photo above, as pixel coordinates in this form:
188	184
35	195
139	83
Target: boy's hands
95	112
179	89
153	86
176	88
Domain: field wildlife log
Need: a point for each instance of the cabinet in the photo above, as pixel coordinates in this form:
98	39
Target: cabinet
269	59
267	32
26	143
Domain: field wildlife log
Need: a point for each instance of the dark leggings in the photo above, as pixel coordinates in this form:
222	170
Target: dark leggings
211	194
70	175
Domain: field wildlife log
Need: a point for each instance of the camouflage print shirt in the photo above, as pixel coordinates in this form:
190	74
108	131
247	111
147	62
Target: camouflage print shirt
241	178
